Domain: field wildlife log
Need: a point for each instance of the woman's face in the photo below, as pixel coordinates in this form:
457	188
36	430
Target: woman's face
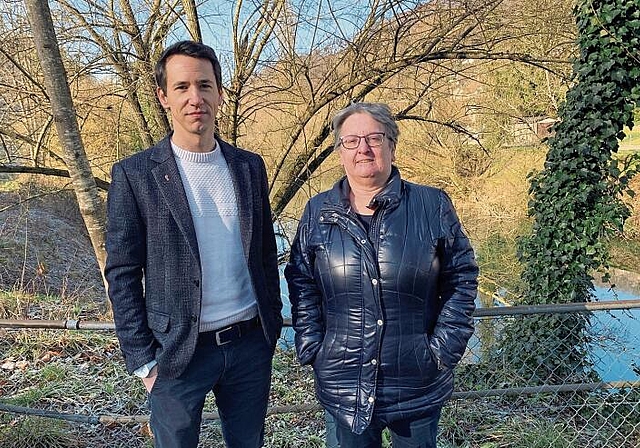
366	165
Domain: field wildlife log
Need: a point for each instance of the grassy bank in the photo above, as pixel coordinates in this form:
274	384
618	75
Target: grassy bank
82	372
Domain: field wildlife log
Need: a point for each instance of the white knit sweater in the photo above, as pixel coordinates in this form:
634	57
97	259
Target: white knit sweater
227	292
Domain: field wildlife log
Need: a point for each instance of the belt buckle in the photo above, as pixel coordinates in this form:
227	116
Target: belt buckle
219	332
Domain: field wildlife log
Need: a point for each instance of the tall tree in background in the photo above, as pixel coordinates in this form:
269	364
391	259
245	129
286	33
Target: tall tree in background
25	127
293	64
289	66
577	201
252	33
124	39
193	24
55	79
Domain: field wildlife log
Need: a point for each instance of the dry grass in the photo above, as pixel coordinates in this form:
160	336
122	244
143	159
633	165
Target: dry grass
45	249
82	373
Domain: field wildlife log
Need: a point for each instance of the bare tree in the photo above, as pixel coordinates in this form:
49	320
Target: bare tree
55	79
295	65
25	120
252	31
105	117
126	38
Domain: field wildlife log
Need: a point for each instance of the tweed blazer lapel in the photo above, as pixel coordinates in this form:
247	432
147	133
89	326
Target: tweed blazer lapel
240	171
169	183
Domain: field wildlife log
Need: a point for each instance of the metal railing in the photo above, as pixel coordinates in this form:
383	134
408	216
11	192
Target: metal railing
568	375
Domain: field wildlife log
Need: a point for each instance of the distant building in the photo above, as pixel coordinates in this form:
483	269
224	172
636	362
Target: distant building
531	130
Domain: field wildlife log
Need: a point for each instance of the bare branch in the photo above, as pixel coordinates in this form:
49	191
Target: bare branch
100	183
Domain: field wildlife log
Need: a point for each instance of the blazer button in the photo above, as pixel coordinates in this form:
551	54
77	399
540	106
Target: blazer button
194	318
196	283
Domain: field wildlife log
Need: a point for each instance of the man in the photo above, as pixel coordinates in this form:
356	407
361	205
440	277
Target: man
192	264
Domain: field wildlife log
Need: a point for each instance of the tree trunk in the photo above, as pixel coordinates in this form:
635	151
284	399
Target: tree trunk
55	78
192	20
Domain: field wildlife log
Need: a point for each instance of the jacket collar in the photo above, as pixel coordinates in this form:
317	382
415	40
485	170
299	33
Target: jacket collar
391	194
162	150
170	184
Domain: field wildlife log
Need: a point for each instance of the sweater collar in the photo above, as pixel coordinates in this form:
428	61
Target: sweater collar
196	157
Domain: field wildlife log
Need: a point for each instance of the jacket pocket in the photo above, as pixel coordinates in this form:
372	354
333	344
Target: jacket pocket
319	360
158	321
429	363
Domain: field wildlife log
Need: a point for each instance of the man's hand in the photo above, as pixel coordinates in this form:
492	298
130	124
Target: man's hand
151	379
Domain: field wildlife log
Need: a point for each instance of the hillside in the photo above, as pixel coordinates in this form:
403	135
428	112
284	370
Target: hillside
44	247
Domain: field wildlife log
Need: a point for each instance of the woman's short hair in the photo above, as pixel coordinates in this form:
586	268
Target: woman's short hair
378	111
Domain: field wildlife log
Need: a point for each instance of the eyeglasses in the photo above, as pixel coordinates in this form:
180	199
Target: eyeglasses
374	139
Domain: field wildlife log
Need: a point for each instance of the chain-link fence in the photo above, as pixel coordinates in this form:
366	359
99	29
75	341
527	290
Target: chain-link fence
533	377
549	376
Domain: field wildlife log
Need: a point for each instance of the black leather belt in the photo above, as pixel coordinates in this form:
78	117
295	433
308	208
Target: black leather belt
235	331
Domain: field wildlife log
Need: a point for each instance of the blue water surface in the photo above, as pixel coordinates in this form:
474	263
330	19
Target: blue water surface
616	345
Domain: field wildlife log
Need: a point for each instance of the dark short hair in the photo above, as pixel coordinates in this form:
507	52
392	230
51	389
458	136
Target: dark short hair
378	111
187	48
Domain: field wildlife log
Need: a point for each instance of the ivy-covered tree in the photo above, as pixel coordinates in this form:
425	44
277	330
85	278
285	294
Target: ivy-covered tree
577	200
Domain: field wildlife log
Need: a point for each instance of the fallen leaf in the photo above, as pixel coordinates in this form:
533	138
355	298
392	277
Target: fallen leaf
8	365
22	365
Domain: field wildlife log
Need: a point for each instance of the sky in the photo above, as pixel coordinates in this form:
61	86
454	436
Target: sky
318	24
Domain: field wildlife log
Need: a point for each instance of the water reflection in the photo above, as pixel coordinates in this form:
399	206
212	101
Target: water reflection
616	344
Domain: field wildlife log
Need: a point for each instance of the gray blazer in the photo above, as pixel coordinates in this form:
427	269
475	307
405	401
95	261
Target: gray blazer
153	266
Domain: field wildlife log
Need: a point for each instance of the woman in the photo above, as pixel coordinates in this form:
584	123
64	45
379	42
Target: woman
382	282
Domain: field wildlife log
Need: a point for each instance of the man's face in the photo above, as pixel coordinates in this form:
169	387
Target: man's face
192	96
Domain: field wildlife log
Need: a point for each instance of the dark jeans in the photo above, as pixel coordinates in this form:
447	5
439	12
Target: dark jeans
418	433
330	425
238	373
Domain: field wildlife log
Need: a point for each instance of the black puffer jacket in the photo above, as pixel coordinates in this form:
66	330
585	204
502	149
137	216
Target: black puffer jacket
384	316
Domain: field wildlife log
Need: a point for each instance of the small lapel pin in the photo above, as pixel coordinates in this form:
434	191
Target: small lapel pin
166	177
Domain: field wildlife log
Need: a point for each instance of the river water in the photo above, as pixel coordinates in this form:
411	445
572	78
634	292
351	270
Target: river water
616	346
